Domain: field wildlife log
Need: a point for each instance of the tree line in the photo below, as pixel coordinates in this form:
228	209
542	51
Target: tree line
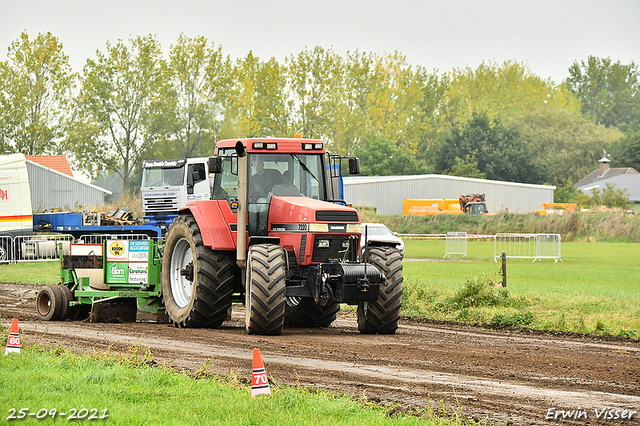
133	102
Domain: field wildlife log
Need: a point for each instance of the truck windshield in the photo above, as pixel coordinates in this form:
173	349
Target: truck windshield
159	177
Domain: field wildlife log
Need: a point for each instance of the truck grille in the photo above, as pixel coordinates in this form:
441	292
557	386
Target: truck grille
161	204
336	216
321	255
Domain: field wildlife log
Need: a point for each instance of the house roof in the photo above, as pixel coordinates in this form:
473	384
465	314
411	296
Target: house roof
595	176
629	181
55	162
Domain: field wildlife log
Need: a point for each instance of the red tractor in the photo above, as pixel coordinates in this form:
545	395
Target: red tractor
274	237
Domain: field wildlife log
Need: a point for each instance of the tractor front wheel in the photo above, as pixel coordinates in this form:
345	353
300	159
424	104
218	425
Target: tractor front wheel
265	289
381	316
197	282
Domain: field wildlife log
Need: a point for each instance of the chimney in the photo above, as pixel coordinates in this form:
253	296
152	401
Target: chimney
604	165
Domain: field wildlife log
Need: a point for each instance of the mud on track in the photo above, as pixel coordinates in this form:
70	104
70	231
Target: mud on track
479	374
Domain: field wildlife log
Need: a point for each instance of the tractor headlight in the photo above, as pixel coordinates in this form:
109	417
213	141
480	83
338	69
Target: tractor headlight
324	243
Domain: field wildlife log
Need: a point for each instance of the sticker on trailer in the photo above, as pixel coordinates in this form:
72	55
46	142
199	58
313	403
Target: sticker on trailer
139	251
4	193
139	273
117	251
117	273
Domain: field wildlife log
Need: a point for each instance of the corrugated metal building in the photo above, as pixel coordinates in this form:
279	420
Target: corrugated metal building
51	189
387	192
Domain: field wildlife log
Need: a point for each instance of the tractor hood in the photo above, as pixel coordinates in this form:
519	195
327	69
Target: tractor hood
309	210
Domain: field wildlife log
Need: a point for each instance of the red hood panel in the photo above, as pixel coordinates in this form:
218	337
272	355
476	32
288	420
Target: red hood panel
302	209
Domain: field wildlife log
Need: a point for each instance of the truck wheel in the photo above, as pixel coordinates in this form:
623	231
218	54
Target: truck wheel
308	314
382	315
197	282
48	303
266	288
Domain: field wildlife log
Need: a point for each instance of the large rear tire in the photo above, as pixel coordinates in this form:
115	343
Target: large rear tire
307	314
197	282
382	315
49	303
265	289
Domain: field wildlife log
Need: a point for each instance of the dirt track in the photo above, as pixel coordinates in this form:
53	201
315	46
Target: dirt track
495	375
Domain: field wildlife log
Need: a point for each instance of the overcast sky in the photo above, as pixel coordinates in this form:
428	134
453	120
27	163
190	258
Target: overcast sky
547	35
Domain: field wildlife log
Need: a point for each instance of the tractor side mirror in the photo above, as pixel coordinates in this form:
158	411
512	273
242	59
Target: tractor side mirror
215	164
354	166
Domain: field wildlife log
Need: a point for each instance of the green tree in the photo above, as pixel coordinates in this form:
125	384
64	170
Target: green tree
257	105
565	191
36	83
466	168
501	92
125	107
380	156
625	152
609	92
564	143
610	196
199	77
313	81
499	151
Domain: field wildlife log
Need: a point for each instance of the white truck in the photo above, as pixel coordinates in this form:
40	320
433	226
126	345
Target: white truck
16	218
167	186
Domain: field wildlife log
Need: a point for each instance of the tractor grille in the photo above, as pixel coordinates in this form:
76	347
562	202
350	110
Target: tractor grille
336	216
160	204
321	255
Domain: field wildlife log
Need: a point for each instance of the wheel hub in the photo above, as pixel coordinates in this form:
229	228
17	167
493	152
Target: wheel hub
182	273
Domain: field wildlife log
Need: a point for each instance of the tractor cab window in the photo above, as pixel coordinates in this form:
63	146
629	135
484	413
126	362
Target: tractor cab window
286	175
225	184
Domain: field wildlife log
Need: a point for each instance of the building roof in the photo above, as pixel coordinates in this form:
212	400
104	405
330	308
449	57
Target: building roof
55	162
595	175
628	181
354	180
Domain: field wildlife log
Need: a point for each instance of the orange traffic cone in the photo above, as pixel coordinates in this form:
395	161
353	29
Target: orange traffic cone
259	381
13	342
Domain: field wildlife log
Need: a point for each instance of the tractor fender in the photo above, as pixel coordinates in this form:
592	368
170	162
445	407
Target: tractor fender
214	218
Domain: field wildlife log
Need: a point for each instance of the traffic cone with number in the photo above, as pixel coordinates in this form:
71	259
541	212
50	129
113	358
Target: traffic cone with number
259	381
13	342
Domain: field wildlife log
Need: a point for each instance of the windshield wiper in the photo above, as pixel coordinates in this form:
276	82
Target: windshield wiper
304	166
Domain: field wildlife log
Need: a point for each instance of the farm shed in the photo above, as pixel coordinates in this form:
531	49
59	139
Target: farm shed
386	193
52	189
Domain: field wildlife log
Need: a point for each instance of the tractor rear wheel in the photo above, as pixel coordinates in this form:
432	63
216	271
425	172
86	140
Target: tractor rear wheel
197	282
49	303
265	289
382	315
307	314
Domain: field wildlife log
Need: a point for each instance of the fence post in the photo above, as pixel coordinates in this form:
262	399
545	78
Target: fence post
504	269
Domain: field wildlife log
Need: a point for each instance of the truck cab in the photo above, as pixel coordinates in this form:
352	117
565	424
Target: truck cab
168	185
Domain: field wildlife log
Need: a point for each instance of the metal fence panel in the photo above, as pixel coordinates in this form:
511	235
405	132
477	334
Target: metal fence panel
40	247
99	239
528	246
456	244
6	249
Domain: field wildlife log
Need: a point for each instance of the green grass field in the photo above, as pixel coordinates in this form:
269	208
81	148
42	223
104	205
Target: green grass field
135	391
595	290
